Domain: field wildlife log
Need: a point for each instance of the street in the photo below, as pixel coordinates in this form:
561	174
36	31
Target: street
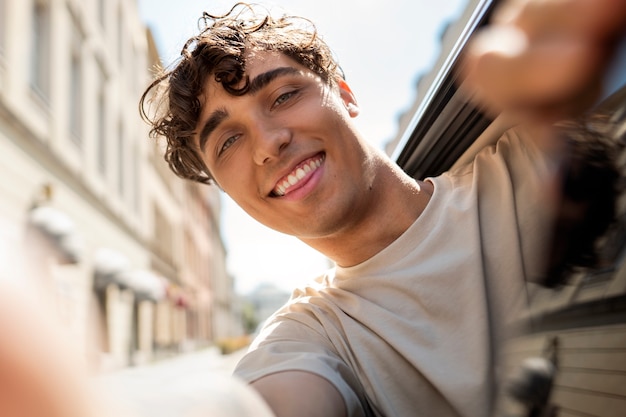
195	384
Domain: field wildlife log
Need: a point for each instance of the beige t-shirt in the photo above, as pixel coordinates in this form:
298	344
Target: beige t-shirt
410	332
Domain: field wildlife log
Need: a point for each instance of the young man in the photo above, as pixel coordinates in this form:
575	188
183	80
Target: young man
428	273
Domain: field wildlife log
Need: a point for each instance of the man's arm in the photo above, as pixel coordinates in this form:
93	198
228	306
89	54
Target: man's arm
300	394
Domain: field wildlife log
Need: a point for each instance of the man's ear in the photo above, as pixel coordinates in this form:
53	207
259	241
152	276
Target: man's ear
348	98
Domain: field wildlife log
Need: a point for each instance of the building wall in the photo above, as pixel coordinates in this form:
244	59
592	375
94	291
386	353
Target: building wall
72	141
452	38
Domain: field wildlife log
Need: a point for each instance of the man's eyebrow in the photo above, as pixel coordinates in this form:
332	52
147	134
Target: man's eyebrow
260	81
210	125
265	78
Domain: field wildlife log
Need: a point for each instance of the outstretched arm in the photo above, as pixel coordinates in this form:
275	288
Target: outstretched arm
301	394
543	61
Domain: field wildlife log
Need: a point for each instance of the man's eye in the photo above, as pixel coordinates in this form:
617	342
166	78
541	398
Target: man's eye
284	97
228	143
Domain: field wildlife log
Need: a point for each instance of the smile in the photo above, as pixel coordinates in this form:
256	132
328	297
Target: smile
295	177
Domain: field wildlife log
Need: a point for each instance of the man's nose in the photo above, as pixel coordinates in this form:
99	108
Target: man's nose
269	141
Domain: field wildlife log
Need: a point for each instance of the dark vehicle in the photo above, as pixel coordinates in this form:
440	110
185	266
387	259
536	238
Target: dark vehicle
578	319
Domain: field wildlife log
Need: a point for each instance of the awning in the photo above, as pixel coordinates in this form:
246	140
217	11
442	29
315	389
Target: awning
145	284
113	267
109	267
57	226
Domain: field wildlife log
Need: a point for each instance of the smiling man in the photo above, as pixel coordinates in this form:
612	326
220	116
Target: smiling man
428	273
288	154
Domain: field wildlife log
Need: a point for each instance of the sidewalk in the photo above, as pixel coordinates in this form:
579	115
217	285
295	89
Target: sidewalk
198	383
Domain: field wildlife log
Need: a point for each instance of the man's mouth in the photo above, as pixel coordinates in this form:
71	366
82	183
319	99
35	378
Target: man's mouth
300	172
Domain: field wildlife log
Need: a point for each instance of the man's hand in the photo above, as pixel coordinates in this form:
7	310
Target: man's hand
543	59
40	375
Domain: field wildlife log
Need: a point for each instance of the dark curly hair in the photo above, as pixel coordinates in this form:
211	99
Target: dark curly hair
593	180
219	50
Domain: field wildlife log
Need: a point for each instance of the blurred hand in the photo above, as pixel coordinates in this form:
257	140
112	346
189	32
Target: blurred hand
39	374
543	59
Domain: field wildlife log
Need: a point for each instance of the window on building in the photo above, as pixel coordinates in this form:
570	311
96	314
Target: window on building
101	133
75	99
121	165
163	236
101	122
135	173
76	83
192	254
40	50
2	26
139	75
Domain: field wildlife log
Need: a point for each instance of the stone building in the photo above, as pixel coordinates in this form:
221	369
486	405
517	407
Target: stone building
131	255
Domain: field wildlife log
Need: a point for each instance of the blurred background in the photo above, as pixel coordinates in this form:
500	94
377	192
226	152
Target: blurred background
138	264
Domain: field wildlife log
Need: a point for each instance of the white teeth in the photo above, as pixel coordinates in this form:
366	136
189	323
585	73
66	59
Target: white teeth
299	174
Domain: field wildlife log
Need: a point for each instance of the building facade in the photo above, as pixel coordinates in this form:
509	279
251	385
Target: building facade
132	255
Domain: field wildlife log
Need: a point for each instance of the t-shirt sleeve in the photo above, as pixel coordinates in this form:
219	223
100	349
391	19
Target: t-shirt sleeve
514	183
533	174
511	184
287	343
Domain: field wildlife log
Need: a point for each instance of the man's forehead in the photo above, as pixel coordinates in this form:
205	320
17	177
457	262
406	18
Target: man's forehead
258	62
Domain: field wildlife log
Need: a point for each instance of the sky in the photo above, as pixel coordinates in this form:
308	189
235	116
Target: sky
382	46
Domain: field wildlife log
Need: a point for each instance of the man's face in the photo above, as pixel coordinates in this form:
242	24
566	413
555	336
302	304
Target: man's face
286	151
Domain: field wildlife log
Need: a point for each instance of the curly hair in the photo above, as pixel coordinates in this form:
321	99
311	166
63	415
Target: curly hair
219	50
591	185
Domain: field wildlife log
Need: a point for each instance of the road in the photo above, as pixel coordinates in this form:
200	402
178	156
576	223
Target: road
195	384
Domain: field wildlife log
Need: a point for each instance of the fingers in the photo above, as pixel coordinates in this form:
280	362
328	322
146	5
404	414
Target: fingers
504	70
543	58
599	19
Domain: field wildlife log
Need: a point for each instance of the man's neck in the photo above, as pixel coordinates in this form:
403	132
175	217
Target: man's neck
400	202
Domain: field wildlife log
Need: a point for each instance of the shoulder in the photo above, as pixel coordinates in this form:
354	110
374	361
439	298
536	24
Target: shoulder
519	152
